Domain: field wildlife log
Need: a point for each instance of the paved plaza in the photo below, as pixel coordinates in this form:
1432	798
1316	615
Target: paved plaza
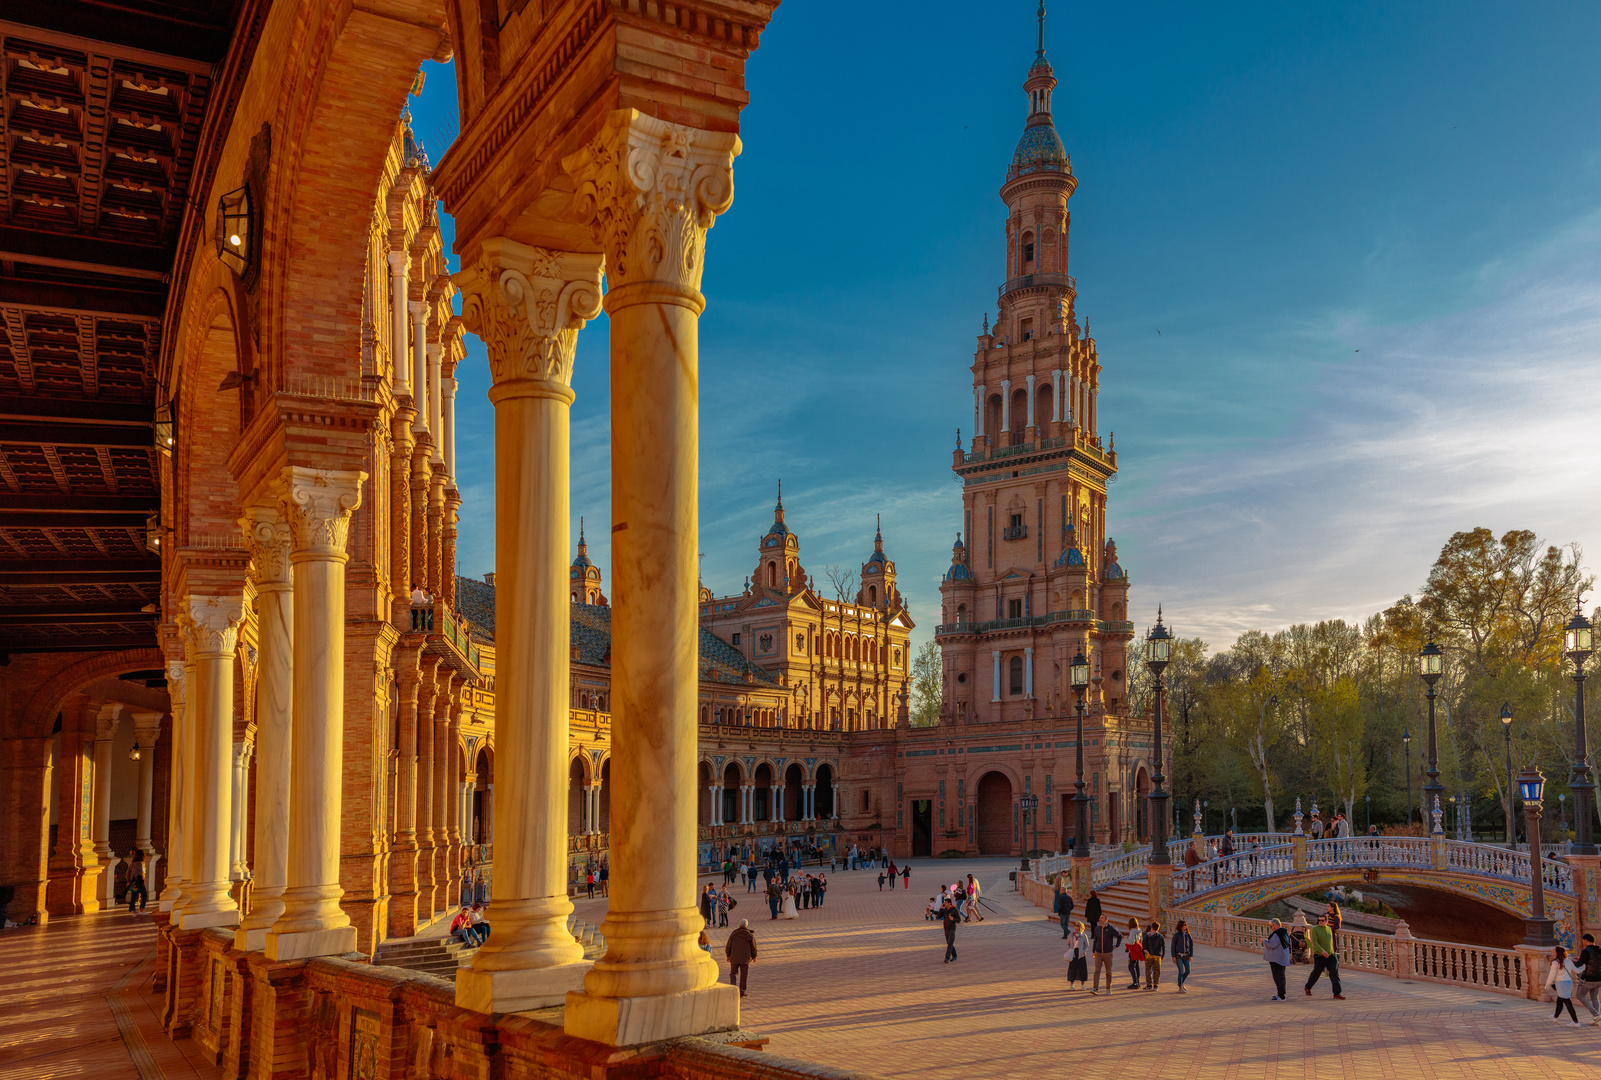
860	984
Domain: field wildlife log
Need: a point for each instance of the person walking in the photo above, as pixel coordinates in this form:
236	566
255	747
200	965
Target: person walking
136	880
1104	940
1092	910
1154	946
1063	905
1276	951
906	876
1077	957
775	897
1589	985
1183	951
1560	979
1324	958
881	881
1136	952
948	919
1335	922
605	879
589	882
973	892
741	952
708	906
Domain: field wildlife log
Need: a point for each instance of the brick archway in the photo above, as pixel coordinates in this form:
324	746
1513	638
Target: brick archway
994	814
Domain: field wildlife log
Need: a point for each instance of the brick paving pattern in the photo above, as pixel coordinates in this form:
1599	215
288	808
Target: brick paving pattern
63	989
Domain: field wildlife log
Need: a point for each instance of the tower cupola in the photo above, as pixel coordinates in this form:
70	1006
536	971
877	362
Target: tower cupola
778	565
584	576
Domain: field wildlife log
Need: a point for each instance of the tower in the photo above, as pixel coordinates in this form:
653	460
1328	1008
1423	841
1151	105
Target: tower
878	577
778	551
1031	583
585	575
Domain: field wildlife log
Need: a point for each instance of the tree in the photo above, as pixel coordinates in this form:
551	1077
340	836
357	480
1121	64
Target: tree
843	580
928	685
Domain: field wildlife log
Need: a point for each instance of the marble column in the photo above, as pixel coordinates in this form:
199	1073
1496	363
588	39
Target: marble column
995	681
402	574
427	691
267	538
178	693
441	779
448	426
146	731
1006	405
105	733
404	910
978	419
436	412
1030	410
238	861
399	354
317	505
594	809
447	541
453	796
419	364
775	803
211	626
714	808
528	305
73	868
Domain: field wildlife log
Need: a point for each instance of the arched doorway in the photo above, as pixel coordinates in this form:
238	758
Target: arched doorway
922	826
763	795
703	792
794	806
576	824
731	807
603	812
994	813
483	788
823	795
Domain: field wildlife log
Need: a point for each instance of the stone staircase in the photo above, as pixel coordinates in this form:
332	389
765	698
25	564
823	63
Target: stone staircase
1123	901
443	956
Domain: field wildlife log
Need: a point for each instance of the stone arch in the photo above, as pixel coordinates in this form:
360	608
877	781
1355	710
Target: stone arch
1042	403
823	796
1019	415
209	421
961	613
577	781
992	415
992	811
793	796
39	715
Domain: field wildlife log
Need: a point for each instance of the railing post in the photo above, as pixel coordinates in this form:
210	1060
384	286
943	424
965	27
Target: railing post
1158	888
1532	960
1402	961
1439	852
1298	856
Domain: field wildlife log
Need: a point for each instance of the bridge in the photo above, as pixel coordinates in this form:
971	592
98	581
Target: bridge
1269	866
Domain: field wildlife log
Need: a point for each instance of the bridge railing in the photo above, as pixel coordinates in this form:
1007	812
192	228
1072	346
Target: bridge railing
1499	862
1371	851
1222	873
1402	956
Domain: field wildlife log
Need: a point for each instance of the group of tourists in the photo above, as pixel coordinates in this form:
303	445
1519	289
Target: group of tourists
1321	942
469	926
857	859
597	877
891	871
1145	947
1580	976
963	896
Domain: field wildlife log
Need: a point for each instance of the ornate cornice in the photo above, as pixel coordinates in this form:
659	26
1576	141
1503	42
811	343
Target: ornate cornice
317	504
528	304
650	189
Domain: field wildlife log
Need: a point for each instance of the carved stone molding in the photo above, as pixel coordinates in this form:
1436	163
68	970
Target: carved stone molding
267	539
106	720
528	304
147	728
317	504
210	624
650	189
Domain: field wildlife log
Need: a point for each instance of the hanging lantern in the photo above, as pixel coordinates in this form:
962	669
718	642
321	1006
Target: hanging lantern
234	223
165	429
133	755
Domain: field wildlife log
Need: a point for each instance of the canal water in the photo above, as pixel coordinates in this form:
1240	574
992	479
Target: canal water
1437	916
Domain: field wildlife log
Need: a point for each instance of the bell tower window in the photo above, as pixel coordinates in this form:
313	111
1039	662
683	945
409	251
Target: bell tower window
1028	251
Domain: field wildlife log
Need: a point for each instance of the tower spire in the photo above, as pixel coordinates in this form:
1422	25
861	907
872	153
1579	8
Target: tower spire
582	547
1041	51
878	532
778	511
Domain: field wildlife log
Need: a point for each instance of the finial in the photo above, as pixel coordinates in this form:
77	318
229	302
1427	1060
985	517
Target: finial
1158	614
1041	51
986	322
778	511
958	438
581	544
1112	445
878	531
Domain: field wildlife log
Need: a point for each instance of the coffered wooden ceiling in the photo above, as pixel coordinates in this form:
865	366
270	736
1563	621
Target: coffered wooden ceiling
102	111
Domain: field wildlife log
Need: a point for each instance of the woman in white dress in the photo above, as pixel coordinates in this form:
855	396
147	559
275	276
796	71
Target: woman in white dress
788	910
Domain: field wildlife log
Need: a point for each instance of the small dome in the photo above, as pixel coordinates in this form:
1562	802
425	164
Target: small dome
958	572
1041	66
1040	149
1114	572
1070	557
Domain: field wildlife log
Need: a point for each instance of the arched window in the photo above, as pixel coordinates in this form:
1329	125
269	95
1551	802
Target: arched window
1016	680
872	594
1028	251
772	574
961	613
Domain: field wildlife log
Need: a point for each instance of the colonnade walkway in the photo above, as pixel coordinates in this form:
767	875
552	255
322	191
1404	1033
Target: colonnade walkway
75	1001
860	984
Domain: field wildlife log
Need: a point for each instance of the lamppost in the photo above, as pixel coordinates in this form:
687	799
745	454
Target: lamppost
1158	651
1031	807
1562	819
1578	645
1205	805
1506	729
1406	740
1079	677
1369	800
1429	668
1537	928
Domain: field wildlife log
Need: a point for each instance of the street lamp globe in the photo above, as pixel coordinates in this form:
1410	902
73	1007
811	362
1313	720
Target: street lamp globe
1079	672
1429	662
1406	737
1531	785
1158	645
1578	637
1506	714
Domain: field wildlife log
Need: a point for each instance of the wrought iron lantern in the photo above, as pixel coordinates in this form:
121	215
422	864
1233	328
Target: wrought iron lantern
235	221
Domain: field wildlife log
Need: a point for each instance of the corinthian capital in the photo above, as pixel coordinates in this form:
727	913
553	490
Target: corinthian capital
528	304
317	504
267	539
650	189
210	624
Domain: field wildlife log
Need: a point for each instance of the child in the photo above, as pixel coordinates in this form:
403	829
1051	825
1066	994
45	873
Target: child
929	914
1136	952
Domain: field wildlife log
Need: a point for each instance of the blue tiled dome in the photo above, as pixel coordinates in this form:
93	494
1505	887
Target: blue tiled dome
958	572
1114	572
1040	150
1070	557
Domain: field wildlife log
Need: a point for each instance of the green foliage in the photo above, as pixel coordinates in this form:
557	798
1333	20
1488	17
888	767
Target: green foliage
928	682
1318	711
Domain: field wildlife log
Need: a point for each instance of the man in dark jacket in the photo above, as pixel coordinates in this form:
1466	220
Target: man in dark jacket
1092	910
775	897
1155	946
1063	905
1104	940
1588	986
740	950
949	916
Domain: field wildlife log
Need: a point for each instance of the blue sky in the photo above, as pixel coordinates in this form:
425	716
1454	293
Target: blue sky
1370	236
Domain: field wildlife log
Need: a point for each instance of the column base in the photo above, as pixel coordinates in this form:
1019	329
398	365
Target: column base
633	1021
200	920
303	944
250	939
519	990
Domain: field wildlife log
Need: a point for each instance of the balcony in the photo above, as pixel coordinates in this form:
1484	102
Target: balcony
1038	446
447	637
1027	621
1015	532
1030	281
